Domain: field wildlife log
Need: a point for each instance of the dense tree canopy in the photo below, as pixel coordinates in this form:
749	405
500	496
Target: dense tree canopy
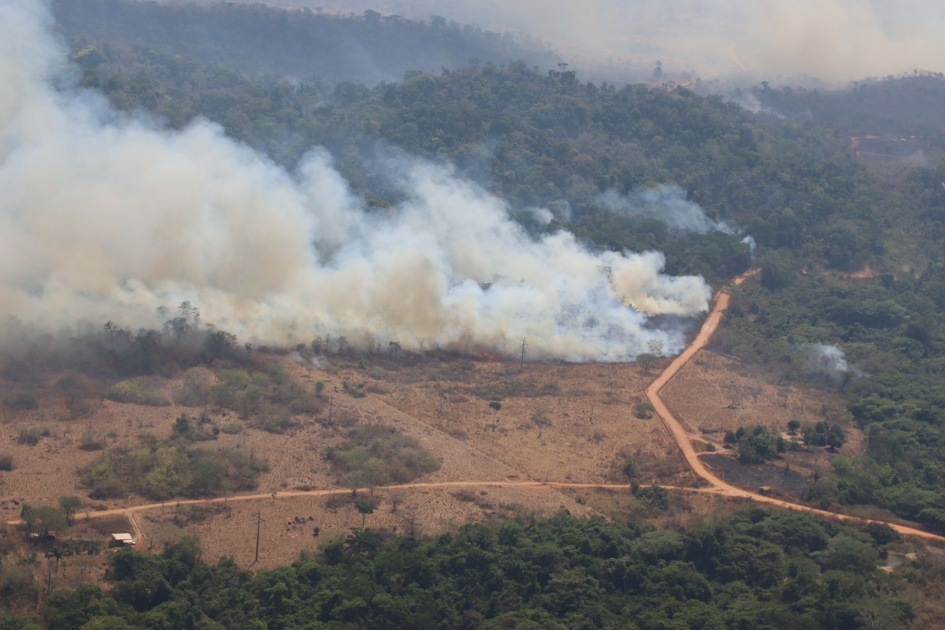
756	570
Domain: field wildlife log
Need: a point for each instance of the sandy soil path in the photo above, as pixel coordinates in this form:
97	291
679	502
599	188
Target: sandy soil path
715	484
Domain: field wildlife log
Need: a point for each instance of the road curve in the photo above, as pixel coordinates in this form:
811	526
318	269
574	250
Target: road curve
717	485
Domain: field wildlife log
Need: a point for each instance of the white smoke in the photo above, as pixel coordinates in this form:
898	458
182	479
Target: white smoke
667	204
750	102
825	360
752	245
104	217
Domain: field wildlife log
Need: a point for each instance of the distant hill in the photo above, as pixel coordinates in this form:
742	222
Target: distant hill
909	105
368	48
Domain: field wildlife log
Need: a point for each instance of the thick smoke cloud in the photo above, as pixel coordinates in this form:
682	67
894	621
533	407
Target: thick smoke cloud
667	204
835	40
104	217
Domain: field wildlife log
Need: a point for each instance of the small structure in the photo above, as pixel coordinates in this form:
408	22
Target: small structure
123	540
764	490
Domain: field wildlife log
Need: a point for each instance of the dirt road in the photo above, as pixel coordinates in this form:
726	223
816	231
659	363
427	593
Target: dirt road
716	485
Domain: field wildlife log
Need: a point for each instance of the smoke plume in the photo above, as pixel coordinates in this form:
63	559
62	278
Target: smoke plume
108	217
835	40
667	204
826	361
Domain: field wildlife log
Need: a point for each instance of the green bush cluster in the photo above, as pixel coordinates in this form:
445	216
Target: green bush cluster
162	472
141	390
374	455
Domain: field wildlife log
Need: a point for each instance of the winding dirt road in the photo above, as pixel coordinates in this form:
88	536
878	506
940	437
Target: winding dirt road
715	485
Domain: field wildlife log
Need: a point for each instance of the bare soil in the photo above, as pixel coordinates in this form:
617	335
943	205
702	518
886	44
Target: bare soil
714	393
556	422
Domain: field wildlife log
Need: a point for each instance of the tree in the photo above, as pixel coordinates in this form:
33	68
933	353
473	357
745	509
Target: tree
654	497
43	519
219	344
793	425
630	468
70	505
495	406
183	426
364	508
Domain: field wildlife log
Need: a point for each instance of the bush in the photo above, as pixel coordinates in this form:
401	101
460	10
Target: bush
32	435
653	497
159	473
138	391
21	401
6	461
272	419
375	455
186	429
232	427
643	410
755	444
196	387
91	442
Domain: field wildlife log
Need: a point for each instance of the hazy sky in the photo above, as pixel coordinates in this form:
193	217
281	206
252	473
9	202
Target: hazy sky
835	40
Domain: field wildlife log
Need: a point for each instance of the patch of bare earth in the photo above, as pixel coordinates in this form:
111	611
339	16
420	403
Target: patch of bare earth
714	393
566	423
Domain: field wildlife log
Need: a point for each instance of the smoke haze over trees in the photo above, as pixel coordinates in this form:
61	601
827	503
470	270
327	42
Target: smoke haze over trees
316	48
148	218
833	40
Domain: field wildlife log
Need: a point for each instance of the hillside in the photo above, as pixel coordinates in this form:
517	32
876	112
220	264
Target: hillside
303	46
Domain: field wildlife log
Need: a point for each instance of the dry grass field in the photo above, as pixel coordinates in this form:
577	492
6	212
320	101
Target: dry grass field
714	393
557	422
568	423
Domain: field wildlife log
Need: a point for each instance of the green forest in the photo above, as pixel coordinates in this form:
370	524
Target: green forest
754	571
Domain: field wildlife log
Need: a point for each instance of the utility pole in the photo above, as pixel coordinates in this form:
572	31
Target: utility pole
258	528
331	404
521	367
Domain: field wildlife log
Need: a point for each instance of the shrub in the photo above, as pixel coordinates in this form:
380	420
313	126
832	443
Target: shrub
653	497
159	473
91	442
272	419
6	461
196	387
186	429
643	410
232	427
374	455
757	444
32	435
138	391
540	418
21	400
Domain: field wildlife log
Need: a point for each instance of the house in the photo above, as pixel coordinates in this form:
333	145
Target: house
122	540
